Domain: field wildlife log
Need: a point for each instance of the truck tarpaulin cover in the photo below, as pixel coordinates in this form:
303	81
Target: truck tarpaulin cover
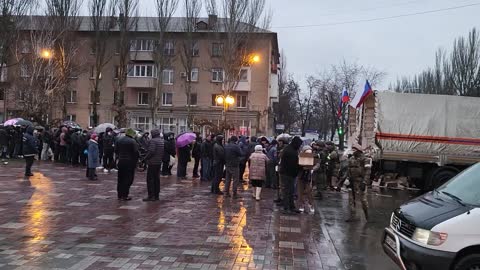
428	123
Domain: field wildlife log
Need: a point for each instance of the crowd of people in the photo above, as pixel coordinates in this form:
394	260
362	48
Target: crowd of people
273	163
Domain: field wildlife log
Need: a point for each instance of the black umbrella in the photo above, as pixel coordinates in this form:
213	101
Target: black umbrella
71	124
23	123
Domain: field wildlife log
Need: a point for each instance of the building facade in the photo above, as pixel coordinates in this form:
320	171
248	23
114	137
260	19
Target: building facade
255	92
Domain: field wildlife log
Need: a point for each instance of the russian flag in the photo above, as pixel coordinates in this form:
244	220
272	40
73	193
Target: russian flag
344	99
360	96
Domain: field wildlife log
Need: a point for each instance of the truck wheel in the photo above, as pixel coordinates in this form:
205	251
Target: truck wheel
469	262
441	175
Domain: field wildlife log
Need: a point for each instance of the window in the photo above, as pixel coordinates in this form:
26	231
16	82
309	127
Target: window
91	120
142	45
120	98
195	48
243	75
21	94
143	98
167	124
142	70
93	98
116	72
169	48
25	46
72	96
24	70
71	117
93	73
167	76
167	99
242	101
2	94
182	125
194	75
3	76
217	49
142	123
217	75
214	101
193	99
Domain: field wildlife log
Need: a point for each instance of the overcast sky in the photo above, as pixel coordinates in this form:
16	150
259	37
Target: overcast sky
399	46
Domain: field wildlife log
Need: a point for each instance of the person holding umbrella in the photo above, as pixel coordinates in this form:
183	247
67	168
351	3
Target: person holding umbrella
29	150
183	144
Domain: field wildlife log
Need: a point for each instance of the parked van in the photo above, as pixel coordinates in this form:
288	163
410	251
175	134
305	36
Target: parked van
440	229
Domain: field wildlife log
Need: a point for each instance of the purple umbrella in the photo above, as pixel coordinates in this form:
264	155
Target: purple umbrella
12	122
186	139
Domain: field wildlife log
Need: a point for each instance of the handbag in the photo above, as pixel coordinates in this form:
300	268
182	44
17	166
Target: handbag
173	161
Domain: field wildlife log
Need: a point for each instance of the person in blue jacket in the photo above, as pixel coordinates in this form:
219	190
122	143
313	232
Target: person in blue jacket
29	148
93	157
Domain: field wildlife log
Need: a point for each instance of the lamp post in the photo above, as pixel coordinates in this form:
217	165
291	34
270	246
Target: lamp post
47	54
226	101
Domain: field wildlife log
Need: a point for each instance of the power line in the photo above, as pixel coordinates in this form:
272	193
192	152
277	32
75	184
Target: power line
378	19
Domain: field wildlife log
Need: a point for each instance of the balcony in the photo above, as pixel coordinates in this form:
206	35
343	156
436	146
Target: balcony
141	82
141	56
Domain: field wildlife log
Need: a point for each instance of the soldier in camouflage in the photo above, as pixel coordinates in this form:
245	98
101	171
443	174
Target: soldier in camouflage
333	167
356	173
320	168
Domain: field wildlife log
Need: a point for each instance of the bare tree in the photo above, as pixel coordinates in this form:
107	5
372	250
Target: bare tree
127	23
285	110
12	13
163	55
102	14
190	49
303	100
63	19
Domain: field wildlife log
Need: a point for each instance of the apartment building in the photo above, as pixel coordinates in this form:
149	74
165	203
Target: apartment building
255	93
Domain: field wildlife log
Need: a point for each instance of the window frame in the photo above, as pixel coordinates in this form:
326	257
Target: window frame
143	125
164	95
99	96
193	71
72	97
217	71
169	48
171	76
137	68
142	45
190	99
141	97
240	75
240	98
195	48
217	49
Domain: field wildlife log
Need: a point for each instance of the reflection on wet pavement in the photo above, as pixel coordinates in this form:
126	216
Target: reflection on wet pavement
58	220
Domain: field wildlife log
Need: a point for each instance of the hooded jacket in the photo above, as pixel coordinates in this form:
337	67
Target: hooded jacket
289	164
156	147
93	157
29	143
127	149
169	147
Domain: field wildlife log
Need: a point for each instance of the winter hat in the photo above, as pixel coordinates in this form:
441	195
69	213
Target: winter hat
93	136
258	148
130	133
155	133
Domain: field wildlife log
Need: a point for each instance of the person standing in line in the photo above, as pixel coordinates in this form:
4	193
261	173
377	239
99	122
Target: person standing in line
75	147
257	170
243	144
282	143
47	141
196	155
218	164
3	142
183	159
63	145
84	138
108	141
169	152
127	153
289	171
233	153
207	158
93	157
154	161
304	189
29	150
272	163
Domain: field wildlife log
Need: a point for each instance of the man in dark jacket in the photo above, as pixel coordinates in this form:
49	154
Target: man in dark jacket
289	170
218	163
169	151
154	160
75	148
196	155
233	153
127	153
29	150
4	138
108	141
207	158
243	144
84	138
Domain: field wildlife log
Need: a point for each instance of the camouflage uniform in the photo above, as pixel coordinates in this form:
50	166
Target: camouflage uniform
333	168
320	169
356	171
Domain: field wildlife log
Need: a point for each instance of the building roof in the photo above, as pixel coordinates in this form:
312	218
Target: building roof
144	24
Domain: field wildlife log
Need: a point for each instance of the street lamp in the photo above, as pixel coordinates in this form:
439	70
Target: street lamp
46	54
226	101
255	58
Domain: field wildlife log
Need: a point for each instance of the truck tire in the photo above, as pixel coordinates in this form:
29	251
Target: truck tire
441	175
469	262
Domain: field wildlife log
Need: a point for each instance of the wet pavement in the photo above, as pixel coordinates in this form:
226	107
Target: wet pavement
59	220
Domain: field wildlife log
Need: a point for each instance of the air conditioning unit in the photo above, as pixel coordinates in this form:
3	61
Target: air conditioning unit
183	74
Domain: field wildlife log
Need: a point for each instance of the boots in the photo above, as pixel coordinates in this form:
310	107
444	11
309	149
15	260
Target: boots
254	192
365	211
259	190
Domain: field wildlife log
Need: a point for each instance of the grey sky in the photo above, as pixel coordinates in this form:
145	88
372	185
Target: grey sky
401	46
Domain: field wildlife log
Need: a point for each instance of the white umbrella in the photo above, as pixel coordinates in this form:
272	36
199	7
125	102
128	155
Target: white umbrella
283	136
103	127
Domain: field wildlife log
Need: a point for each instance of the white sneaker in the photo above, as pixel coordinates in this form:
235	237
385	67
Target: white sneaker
312	209
105	171
301	209
114	170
